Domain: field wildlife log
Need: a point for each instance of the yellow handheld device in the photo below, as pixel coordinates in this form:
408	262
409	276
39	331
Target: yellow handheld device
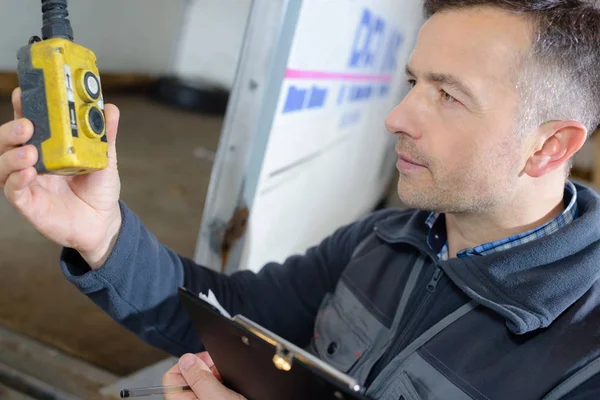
62	96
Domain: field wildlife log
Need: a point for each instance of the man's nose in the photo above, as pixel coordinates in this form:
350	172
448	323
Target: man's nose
405	117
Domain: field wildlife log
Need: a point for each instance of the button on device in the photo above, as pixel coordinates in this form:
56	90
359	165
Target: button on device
88	86
94	122
332	348
92	85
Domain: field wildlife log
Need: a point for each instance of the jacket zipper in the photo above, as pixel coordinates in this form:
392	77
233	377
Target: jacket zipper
392	348
431	288
432	285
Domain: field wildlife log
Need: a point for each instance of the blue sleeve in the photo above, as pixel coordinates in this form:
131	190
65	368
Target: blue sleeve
137	286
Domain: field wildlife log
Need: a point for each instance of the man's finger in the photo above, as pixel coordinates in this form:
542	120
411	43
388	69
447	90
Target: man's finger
206	359
15	133
173	377
16	160
16	102
17	189
202	381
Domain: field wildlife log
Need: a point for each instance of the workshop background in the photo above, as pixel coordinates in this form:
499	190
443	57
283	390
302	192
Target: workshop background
48	330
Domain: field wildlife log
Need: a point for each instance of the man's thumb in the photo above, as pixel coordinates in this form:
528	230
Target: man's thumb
200	378
112	115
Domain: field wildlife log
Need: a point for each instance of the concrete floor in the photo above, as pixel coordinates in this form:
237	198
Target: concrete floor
164	182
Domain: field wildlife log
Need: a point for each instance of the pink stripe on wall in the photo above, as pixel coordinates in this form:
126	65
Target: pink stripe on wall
323	75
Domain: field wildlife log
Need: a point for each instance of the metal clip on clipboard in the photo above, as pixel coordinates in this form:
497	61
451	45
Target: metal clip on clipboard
286	352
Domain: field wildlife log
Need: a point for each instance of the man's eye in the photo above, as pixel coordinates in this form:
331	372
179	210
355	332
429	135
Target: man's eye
447	97
412	83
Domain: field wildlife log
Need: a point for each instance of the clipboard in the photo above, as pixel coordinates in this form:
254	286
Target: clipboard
260	365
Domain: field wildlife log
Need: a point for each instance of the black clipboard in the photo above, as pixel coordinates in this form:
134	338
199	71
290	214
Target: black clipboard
260	365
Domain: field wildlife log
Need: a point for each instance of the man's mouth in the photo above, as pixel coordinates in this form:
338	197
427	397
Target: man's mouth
406	164
409	160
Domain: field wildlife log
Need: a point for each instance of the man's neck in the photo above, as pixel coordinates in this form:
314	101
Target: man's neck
470	230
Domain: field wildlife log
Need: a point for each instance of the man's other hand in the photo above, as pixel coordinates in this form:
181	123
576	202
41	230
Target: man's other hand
198	371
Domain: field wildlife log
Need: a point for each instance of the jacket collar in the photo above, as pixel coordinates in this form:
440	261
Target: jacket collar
529	285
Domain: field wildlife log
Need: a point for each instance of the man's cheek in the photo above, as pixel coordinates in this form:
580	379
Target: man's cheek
458	155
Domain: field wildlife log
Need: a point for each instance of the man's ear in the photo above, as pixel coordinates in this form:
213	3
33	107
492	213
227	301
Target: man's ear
561	139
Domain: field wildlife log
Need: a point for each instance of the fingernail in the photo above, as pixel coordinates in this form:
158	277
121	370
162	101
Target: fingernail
22	153
187	361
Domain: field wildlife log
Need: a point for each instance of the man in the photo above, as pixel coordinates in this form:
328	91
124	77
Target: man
487	289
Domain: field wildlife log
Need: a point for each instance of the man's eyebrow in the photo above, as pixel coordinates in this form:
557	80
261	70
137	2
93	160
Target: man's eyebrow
447	79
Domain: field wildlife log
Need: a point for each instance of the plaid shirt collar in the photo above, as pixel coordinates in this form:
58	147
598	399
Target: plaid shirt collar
437	233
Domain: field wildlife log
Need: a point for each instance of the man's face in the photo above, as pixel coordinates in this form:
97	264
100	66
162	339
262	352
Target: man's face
459	120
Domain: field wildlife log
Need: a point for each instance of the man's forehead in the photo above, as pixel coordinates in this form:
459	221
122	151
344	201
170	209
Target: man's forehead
480	44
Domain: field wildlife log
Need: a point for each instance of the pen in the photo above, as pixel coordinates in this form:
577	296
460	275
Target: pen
153	391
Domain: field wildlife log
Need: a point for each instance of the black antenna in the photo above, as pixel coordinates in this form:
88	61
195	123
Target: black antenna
56	23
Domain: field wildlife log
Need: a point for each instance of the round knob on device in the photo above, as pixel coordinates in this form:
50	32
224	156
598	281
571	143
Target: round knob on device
93	122
91	83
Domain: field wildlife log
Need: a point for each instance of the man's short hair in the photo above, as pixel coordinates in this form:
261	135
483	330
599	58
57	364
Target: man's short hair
559	79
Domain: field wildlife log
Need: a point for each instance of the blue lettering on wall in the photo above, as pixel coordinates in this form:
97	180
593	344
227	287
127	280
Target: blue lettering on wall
390	62
354	93
317	97
300	98
341	94
372	63
363	92
377	38
370	48
368	35
362	38
350	118
384	90
295	99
